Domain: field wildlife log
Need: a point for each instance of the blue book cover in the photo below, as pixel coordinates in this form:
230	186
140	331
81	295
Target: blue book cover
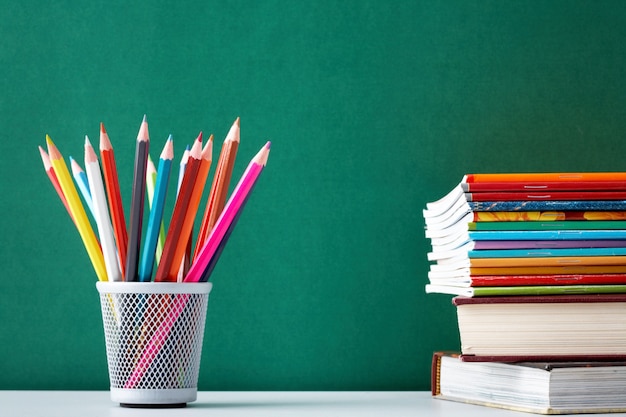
547	234
591	205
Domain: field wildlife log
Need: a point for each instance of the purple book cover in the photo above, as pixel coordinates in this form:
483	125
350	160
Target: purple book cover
547	244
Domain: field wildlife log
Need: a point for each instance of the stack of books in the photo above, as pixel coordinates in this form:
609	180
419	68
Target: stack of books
537	264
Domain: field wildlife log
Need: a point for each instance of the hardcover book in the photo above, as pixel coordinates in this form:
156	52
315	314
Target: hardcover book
543	326
535	387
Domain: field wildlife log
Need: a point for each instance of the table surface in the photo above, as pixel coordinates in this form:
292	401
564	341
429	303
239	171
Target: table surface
347	403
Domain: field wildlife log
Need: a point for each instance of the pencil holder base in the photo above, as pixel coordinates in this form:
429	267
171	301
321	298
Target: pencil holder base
153	398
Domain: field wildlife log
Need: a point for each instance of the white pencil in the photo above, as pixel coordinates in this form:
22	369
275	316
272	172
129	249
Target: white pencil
101	213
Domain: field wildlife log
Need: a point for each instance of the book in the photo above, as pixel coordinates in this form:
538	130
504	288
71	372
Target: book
513	290
542	327
534	387
545	216
545	196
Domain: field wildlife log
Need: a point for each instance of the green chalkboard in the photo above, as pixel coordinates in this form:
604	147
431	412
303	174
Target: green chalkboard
373	109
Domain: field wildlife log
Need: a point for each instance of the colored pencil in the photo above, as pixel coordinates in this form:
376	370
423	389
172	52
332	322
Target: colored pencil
181	174
155	224
101	213
78	211
151	177
116	208
157	340
179	232
229	214
53	179
207	156
219	188
83	185
182	167
137	202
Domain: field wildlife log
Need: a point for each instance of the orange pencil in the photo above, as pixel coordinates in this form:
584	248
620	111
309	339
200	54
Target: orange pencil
174	233
219	188
114	197
54	180
184	251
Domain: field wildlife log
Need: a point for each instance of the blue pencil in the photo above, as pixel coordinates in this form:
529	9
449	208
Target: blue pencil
83	184
156	212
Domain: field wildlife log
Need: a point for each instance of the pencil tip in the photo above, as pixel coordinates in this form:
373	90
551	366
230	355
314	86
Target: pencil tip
151	169
102	129
53	152
237	121
90	153
145	119
168	149
207	151
76	169
45	158
143	135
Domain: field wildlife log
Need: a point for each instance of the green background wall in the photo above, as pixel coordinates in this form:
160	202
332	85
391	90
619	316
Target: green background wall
373	109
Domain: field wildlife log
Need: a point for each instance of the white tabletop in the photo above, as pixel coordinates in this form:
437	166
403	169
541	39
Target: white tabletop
362	404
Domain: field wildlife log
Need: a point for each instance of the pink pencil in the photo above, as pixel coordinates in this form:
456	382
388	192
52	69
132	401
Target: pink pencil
229	214
158	339
54	180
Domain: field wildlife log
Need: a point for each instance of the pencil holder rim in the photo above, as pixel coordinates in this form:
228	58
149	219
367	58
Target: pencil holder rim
107	287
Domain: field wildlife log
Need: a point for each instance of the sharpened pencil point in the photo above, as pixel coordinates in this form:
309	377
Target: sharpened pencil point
45	158
207	151
151	169
143	135
105	143
76	169
168	149
53	152
90	154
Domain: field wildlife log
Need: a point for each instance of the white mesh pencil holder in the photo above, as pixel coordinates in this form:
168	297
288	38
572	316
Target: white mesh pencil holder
153	334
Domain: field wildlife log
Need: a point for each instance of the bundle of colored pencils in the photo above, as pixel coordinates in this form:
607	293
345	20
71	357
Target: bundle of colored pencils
121	253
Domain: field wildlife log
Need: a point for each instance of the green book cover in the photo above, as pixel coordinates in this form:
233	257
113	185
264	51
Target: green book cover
548	290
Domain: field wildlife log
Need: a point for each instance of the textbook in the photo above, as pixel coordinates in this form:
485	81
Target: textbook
534	387
542	327
509	290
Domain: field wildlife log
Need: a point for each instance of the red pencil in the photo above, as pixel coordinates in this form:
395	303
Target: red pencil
168	266
54	180
114	197
219	188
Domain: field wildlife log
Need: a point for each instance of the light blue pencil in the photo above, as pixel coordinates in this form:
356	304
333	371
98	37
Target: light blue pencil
83	185
156	212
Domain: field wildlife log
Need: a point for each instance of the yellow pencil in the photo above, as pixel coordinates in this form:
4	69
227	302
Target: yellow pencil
78	211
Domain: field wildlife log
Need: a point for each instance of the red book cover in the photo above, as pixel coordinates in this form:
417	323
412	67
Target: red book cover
550	279
547	196
544	186
538	299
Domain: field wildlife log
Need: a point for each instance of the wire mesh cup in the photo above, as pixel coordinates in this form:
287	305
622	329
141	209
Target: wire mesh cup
153	334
